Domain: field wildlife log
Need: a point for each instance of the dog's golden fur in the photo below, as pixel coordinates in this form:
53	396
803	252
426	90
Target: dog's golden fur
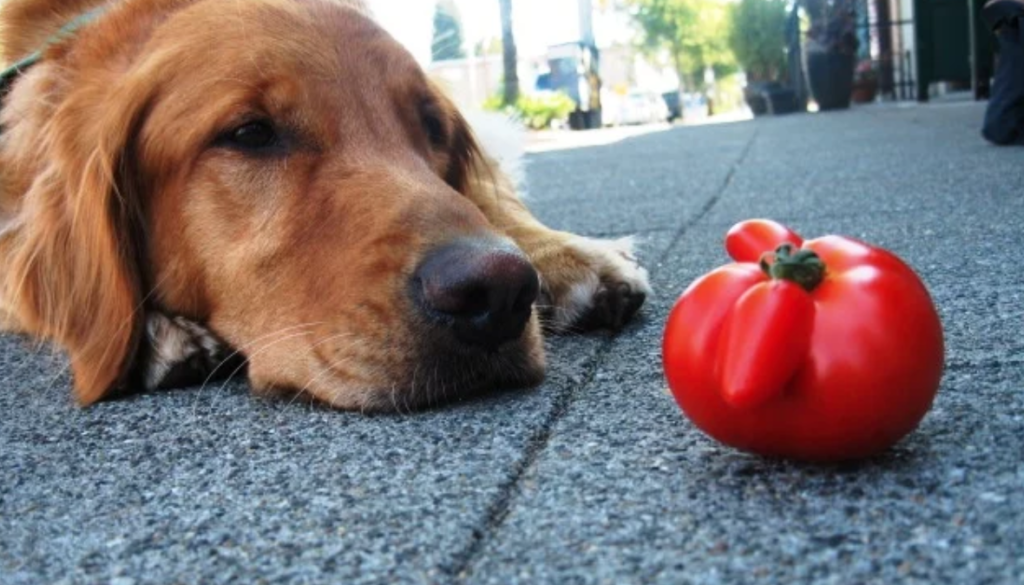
119	199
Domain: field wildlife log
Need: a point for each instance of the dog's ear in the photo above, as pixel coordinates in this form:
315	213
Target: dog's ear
72	271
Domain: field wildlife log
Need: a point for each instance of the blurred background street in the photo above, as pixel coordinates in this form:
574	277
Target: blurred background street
633	62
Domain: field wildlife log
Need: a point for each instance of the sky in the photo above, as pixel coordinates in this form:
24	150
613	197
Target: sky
537	23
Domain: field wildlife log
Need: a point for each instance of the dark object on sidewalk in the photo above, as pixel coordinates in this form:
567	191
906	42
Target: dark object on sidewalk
830	74
1004	118
674	105
770	98
831	51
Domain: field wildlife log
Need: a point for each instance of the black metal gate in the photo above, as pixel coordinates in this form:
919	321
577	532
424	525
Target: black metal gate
886	46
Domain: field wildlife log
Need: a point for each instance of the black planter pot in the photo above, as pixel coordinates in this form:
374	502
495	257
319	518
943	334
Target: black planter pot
830	76
769	98
753	94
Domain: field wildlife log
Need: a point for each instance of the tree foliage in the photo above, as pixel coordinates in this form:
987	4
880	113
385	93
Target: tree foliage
758	38
693	33
447	42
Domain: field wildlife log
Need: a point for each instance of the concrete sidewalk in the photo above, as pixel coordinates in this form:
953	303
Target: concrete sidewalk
595	477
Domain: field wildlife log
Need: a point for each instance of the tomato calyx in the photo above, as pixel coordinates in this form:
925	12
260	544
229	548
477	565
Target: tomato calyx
803	267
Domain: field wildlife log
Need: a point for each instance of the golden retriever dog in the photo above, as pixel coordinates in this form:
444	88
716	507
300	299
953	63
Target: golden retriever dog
182	181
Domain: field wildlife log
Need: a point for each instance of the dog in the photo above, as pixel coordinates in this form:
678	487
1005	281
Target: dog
187	181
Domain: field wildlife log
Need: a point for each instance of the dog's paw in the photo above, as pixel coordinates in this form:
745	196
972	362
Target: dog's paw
592	284
178	352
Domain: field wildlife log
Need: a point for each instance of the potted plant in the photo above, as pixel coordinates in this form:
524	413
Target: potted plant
865	82
831	51
757	36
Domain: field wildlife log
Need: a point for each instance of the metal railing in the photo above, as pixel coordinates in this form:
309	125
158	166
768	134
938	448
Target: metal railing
893	62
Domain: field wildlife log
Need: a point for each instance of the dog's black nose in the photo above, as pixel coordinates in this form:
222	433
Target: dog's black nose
483	289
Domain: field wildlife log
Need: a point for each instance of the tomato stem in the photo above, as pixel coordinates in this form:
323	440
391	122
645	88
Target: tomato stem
803	267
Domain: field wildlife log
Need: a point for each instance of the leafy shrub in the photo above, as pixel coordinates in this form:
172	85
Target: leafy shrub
495	103
758	38
539	111
535	111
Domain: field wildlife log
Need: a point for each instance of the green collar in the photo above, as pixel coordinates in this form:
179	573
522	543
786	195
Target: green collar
10	74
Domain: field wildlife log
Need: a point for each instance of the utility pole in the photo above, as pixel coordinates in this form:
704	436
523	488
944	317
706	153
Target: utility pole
586	11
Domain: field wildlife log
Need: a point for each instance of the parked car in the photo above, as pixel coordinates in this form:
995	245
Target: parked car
637	106
695	106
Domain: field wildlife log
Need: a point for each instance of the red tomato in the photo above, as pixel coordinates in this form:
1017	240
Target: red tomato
828	351
747	240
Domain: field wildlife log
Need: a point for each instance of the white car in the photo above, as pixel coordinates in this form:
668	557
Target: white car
636	107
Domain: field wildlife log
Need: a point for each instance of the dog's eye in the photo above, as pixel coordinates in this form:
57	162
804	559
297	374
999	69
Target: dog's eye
432	125
255	135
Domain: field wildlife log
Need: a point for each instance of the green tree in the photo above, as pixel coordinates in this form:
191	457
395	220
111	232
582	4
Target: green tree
447	43
758	38
694	34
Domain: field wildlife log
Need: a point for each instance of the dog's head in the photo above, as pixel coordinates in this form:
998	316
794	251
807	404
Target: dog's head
280	170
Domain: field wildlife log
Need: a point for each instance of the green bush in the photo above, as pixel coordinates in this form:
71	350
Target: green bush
758	38
538	112
535	111
495	103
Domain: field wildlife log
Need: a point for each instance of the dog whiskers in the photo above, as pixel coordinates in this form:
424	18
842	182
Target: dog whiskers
238	352
327	368
248	355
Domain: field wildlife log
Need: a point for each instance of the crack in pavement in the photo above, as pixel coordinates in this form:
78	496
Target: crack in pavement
983	364
710	203
460	567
